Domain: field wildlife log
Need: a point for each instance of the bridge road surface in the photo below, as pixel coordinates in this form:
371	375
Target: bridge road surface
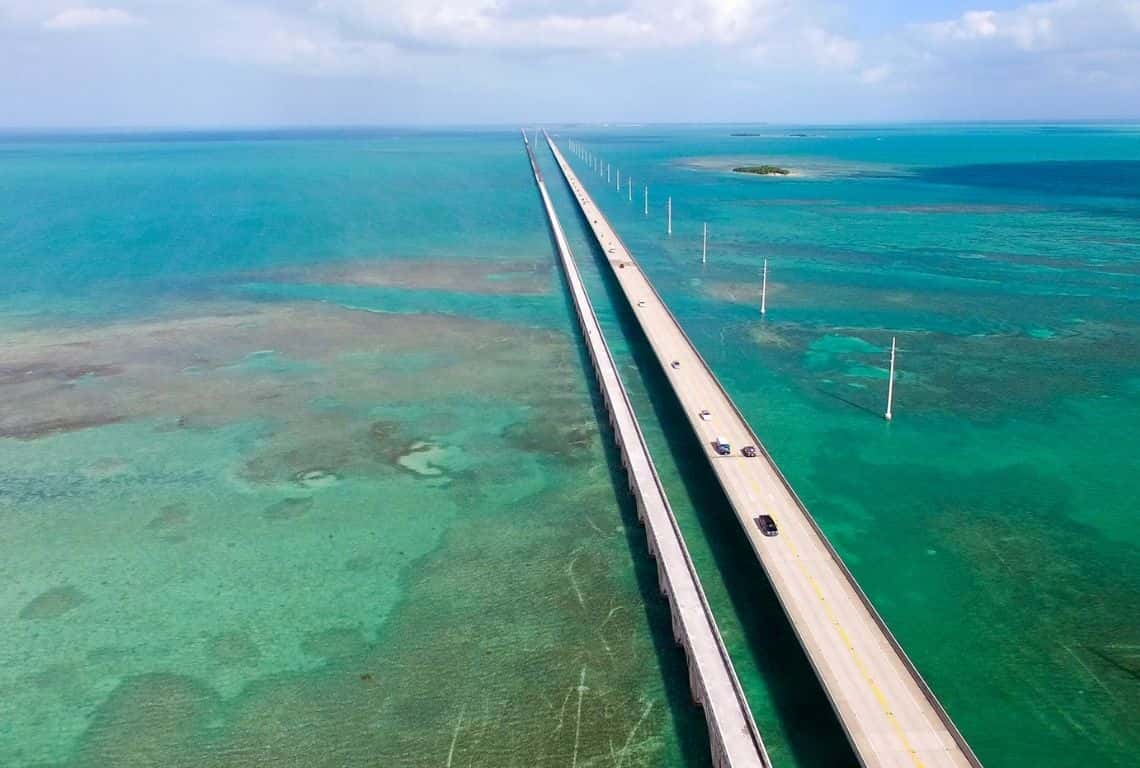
890	716
734	739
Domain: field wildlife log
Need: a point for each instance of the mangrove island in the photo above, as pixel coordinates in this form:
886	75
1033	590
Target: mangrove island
762	170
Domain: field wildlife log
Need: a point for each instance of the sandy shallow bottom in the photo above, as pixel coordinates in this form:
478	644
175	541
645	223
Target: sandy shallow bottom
463	276
294	534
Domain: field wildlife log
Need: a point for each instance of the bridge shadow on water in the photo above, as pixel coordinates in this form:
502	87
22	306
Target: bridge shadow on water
810	729
691	730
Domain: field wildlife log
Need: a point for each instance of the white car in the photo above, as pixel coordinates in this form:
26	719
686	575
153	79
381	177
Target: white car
705	415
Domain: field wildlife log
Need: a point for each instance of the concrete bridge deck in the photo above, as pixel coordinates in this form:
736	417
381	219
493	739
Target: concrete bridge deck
734	738
891	717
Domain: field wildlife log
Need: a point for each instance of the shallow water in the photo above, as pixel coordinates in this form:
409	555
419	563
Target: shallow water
328	500
299	464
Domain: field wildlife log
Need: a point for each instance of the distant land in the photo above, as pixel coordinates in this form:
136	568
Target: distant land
762	170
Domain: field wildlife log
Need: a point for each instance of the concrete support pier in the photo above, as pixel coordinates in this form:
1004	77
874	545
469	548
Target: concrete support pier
734	738
891	717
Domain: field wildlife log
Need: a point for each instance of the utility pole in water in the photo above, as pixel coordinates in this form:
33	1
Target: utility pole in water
891	382
764	291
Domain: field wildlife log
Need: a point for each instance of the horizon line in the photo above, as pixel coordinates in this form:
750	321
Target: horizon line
514	125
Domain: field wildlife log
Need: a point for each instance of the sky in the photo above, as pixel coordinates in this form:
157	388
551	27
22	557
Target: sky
216	63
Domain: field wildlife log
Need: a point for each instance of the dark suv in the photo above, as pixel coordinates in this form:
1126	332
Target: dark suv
749	451
766	525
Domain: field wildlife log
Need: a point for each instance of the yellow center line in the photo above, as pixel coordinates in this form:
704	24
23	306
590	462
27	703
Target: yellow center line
884	704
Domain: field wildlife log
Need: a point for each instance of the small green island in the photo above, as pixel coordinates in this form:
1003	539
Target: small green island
762	170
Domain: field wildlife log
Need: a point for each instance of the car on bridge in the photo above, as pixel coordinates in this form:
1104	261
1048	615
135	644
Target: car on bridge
722	447
766	525
749	451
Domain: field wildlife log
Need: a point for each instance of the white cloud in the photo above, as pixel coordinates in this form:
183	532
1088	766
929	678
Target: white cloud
591	25
280	41
1043	26
972	25
1053	56
874	75
831	51
80	18
1027	28
358	36
1040	59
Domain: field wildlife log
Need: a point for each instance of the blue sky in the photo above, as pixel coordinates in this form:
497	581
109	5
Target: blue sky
71	63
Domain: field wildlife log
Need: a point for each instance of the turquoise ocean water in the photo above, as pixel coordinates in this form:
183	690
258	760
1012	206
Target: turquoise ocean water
299	464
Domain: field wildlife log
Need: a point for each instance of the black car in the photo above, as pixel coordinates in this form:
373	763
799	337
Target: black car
766	525
749	451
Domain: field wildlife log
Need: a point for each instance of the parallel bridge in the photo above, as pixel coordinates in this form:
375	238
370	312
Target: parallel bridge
734	740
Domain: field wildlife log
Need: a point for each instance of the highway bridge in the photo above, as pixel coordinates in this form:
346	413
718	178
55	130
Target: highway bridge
891	717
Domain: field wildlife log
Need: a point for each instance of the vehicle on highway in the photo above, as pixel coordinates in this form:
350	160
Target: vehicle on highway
705	415
722	447
641	303
675	364
749	451
767	525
